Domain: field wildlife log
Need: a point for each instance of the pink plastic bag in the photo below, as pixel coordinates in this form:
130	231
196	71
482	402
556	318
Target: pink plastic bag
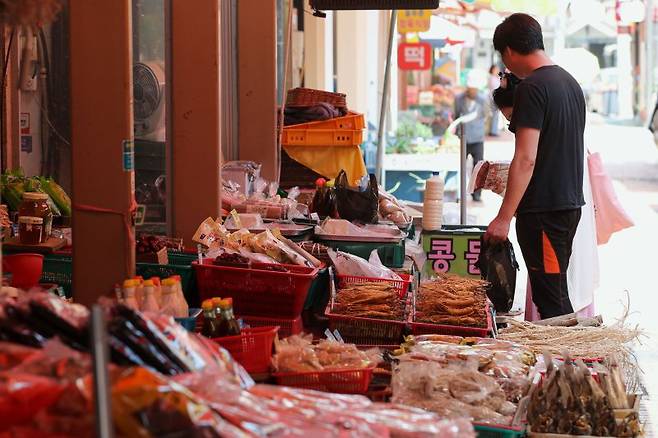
609	214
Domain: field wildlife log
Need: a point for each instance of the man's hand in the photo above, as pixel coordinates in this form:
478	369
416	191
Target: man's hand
497	231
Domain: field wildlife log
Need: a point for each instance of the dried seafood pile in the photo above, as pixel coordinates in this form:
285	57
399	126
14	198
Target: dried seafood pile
451	392
298	354
369	300
453	300
481	379
582	342
571	401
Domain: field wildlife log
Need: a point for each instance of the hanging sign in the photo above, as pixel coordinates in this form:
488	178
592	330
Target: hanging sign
414	56
414	20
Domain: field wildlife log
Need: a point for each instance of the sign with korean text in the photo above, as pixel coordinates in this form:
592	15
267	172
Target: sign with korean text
453	251
414	20
414	56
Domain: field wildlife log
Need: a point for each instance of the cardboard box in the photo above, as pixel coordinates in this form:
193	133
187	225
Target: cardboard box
454	249
161	257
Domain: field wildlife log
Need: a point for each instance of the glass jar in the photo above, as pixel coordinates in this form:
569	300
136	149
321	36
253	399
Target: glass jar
36	205
30	230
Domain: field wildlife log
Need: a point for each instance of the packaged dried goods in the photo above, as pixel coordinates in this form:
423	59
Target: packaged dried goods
297	353
390	209
351	265
509	364
452	391
452	300
490	175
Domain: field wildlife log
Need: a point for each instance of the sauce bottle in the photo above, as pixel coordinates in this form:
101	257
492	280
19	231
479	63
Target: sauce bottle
228	326
129	294
139	289
210	327
157	289
168	299
149	304
183	308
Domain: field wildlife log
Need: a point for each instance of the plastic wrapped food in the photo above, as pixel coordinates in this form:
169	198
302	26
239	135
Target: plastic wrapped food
399	421
508	363
490	175
390	209
144	404
348	264
451	391
299	354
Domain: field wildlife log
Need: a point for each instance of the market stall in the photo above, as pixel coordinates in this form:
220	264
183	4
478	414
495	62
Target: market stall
325	303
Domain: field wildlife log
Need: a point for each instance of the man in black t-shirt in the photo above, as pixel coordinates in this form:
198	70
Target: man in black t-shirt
545	185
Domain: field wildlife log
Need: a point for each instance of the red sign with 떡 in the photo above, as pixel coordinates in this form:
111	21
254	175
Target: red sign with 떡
414	56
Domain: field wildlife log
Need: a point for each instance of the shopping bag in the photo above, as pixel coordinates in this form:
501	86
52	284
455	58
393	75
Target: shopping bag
498	266
354	204
610	216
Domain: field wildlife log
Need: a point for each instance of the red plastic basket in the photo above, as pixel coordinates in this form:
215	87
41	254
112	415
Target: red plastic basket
256	291
402	286
422	328
364	331
347	381
252	348
287	327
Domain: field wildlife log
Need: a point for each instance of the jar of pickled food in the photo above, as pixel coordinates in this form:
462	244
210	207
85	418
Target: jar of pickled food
30	230
36	205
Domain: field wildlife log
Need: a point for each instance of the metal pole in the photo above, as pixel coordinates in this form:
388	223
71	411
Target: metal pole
462	175
649	82
385	97
100	358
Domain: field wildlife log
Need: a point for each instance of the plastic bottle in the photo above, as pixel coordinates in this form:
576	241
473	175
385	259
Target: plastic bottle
139	289
228	326
129	299
210	327
183	308
168	298
149	304
157	289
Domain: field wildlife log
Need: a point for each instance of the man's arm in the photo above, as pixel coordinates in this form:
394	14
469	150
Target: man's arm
520	172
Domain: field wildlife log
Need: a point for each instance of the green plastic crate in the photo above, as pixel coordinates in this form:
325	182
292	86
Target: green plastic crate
181	258
391	254
490	431
58	269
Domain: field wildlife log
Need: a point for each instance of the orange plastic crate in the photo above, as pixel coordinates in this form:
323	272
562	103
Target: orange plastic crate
321	137
351	121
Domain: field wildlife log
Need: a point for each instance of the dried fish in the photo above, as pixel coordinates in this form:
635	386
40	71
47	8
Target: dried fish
369	300
452	300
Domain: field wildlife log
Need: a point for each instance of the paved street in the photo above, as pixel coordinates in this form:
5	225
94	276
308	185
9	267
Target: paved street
629	261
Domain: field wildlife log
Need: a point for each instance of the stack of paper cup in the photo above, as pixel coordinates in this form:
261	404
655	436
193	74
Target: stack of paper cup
433	204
